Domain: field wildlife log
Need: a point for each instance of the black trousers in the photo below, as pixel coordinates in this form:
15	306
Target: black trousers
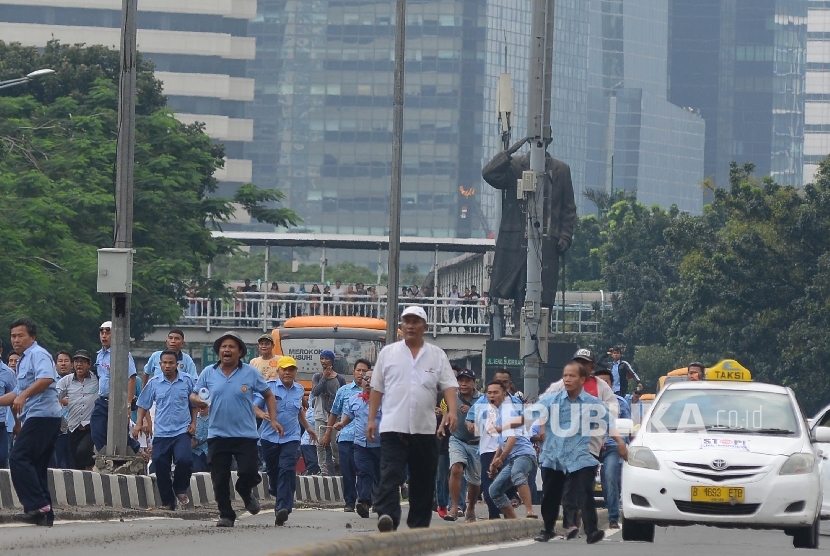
420	453
81	448
582	486
29	461
220	453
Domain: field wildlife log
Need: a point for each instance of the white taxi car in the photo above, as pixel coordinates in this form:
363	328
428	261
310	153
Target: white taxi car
730	454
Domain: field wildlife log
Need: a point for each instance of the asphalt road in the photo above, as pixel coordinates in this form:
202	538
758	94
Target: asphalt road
256	535
674	541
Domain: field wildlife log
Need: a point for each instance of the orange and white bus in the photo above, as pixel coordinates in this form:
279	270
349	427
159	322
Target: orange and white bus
350	338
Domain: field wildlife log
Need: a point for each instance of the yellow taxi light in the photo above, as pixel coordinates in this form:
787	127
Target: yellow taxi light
729	369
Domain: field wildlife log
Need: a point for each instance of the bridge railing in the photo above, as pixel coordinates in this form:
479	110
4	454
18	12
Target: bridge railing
267	310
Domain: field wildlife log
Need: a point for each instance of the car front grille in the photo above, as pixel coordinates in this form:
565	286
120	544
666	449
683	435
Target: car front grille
712	508
731	473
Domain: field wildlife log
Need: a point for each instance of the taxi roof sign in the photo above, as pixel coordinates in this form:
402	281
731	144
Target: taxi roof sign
729	369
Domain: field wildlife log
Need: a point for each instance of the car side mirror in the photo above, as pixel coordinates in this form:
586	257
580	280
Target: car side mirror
821	434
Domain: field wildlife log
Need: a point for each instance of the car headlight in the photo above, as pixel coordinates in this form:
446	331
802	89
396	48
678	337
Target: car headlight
640	456
798	464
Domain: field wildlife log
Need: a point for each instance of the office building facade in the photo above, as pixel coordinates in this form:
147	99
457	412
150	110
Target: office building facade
741	64
199	49
817	88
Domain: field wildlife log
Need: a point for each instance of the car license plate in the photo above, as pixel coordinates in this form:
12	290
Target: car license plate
717	494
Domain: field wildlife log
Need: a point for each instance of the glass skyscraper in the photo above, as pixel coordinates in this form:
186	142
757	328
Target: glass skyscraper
323	113
741	64
611	120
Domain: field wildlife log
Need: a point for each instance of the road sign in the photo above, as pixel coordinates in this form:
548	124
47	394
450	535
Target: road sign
504	362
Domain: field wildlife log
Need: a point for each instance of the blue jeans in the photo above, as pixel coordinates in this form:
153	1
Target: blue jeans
281	465
513	473
350	473
98	426
610	473
167	451
442	487
367	462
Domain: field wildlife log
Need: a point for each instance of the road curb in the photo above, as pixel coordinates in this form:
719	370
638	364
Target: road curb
435	539
69	487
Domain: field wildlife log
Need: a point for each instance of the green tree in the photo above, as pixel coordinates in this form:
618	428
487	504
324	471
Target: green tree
57	195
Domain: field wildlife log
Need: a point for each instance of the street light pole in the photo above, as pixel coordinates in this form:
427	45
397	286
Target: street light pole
538	126
397	162
26	78
118	421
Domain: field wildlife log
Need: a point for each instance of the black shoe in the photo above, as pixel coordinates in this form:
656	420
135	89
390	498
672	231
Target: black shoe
405	492
348	509
47	520
281	517
385	524
36	517
252	505
572	534
543	536
596	536
224	522
361	510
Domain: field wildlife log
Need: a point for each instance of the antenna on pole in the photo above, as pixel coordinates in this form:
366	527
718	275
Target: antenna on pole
505	101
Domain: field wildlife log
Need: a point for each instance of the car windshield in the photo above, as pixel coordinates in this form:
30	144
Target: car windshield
727	411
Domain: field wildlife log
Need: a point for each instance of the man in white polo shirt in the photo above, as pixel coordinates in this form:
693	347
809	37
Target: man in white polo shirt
407	376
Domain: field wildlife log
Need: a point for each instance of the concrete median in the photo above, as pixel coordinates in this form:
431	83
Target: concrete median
432	540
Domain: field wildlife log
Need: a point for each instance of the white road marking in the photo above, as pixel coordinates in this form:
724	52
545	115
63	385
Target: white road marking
485	548
90	521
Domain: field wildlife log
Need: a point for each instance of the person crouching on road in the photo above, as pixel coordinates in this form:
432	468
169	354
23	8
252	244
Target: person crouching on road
229	387
281	450
567	454
366	454
175	426
515	459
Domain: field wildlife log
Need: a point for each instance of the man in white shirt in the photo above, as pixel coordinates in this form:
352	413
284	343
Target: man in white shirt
337	293
407	376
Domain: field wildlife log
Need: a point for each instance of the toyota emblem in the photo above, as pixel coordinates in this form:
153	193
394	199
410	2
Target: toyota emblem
719	465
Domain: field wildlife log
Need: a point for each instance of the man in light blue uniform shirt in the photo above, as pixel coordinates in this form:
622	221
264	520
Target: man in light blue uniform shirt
281	451
185	364
345	440
567	453
98	421
229	387
514	459
8	382
366	453
35	402
175	426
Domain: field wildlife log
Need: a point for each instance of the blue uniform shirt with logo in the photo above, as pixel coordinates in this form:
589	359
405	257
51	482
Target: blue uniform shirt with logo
36	363
625	413
184	364
358	411
172	399
570	452
102	363
289	406
231	400
341	399
8	382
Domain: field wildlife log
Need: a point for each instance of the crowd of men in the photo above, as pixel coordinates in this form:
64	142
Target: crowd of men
408	418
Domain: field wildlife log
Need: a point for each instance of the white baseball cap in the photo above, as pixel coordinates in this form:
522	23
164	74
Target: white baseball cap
107	324
414	310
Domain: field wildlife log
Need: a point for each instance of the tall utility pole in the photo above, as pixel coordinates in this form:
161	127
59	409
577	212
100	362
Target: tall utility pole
397	160
538	127
123	235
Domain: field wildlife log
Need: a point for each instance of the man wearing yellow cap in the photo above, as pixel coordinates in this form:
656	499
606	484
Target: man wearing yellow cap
281	452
